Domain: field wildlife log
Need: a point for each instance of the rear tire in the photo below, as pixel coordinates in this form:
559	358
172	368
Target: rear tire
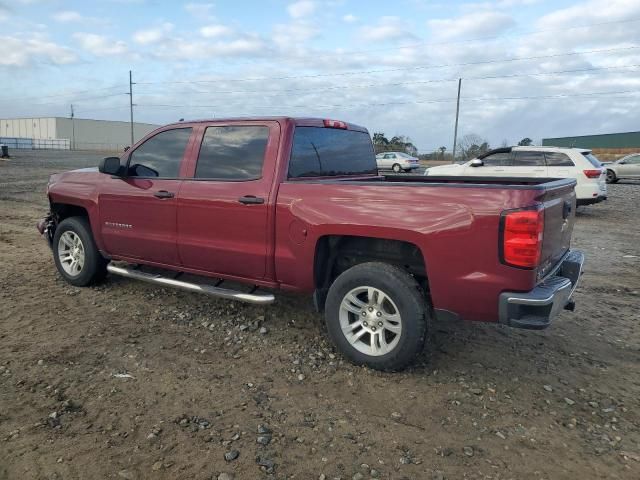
376	316
75	253
396	168
611	177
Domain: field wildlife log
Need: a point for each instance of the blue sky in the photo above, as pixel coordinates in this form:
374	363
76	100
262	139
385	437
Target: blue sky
529	68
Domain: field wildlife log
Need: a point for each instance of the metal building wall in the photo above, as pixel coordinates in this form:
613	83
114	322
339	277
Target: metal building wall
88	134
39	128
604	141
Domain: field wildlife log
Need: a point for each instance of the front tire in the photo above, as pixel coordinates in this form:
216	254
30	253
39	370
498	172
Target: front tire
376	316
75	253
611	177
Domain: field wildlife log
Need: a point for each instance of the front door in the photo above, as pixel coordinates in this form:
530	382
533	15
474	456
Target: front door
630	168
223	211
494	165
138	211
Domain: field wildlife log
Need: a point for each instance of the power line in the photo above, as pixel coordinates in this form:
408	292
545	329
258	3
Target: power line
397	69
396	84
62	94
410	102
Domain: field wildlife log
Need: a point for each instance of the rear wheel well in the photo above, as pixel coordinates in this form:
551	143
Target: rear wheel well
337	253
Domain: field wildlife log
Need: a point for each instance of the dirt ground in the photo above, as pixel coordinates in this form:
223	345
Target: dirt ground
128	381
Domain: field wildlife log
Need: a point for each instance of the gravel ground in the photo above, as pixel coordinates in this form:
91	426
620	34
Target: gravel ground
128	381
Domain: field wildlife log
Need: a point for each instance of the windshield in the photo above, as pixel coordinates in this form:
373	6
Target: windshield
592	159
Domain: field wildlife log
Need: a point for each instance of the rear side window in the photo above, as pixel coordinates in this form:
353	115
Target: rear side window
500	159
319	152
160	155
556	159
526	159
593	160
232	152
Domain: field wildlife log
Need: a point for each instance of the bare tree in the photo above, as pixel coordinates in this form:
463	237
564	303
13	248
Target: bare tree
472	145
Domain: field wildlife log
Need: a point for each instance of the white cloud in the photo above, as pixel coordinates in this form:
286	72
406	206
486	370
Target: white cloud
387	28
23	51
67	16
301	8
201	11
293	35
471	25
152	35
100	45
349	18
215	31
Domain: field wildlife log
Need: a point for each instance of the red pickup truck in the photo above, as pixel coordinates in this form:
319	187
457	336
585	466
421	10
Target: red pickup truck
297	204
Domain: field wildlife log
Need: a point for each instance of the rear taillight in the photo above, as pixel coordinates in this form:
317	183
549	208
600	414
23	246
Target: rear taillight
522	232
592	173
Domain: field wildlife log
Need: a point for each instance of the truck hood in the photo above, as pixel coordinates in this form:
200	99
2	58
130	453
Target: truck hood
86	176
72	174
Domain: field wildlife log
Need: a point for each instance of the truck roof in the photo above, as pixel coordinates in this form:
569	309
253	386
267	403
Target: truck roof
297	121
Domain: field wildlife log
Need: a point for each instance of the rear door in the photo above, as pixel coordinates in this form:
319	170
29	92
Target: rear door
560	165
223	209
138	211
528	163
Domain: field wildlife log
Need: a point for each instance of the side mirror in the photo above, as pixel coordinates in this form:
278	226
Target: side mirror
476	162
110	166
622	162
126	149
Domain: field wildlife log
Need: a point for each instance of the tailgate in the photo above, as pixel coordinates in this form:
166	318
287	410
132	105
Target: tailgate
559	204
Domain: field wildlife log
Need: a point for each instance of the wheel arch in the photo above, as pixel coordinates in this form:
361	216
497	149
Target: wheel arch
335	254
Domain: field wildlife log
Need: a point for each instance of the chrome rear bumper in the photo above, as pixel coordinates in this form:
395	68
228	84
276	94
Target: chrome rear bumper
537	308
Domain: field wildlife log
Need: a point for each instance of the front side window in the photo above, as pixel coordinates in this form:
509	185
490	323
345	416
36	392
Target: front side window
556	159
320	152
232	152
529	159
160	156
500	159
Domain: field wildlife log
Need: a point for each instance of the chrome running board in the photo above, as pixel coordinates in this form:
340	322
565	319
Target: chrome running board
257	299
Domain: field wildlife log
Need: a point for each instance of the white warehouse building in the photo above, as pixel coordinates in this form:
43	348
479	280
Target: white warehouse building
67	133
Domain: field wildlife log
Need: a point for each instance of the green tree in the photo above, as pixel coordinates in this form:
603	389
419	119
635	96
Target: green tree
525	142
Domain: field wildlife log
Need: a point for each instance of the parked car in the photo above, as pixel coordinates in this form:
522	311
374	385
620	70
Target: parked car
298	205
626	167
538	162
397	161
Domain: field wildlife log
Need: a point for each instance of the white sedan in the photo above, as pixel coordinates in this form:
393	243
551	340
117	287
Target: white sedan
396	161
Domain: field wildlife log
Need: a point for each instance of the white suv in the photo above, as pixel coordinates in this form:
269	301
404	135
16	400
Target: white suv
547	162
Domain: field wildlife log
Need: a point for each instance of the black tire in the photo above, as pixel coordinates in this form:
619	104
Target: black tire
611	177
396	168
94	268
405	293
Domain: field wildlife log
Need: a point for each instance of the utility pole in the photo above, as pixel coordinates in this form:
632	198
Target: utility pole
455	132
73	129
131	105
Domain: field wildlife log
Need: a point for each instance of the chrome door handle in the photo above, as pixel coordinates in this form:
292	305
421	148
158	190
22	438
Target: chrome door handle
163	194
251	200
